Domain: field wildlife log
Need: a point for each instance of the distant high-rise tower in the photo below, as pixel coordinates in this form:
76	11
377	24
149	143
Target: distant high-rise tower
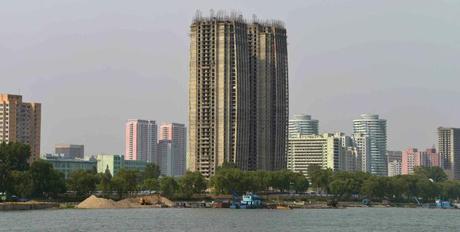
302	124
171	149
20	122
141	140
371	126
449	150
238	94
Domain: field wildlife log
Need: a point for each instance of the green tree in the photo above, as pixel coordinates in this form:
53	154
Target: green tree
300	183
344	184
168	186
21	183
192	183
227	180
321	178
46	182
151	171
375	187
13	157
150	184
428	190
130	178
105	180
450	189
119	185
82	182
282	180
436	174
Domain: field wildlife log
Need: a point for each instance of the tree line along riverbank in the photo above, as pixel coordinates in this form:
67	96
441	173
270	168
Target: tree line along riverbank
40	181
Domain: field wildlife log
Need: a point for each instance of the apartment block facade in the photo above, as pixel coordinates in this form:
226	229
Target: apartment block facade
449	150
412	158
172	149
323	150
141	140
20	122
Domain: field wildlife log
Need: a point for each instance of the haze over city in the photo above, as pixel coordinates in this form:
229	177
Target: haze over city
93	65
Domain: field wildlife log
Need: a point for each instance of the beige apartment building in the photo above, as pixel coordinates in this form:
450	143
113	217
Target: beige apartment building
238	94
20	122
323	150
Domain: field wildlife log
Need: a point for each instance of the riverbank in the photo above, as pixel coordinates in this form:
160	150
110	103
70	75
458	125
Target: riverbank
31	205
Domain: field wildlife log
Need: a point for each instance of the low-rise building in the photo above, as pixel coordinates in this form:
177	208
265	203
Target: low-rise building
67	166
114	163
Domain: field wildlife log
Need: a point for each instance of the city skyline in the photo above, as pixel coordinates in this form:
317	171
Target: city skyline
88	51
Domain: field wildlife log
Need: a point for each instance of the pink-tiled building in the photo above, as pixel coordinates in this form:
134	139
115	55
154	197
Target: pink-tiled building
412	158
141	140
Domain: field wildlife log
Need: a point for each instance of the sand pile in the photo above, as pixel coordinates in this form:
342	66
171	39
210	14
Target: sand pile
128	203
152	201
94	202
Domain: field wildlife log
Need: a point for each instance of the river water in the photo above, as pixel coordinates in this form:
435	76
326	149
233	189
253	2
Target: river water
228	220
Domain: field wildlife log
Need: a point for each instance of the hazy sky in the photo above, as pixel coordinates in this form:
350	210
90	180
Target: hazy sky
94	64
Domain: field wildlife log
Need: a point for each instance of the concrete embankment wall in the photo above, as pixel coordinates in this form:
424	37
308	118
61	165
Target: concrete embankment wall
27	206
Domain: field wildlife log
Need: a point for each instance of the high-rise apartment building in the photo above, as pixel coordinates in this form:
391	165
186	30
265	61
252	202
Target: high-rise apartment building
349	159
412	158
141	140
303	124
171	149
114	163
320	150
409	159
449	150
70	151
361	144
372	126
238	94
20	122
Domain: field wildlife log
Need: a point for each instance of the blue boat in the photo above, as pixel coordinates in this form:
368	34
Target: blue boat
248	201
443	204
251	201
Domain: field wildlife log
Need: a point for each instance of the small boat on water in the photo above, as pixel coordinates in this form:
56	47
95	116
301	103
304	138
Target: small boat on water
443	204
248	201
251	201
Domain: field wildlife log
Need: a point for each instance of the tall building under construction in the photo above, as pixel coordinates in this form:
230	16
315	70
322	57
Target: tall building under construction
238	94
